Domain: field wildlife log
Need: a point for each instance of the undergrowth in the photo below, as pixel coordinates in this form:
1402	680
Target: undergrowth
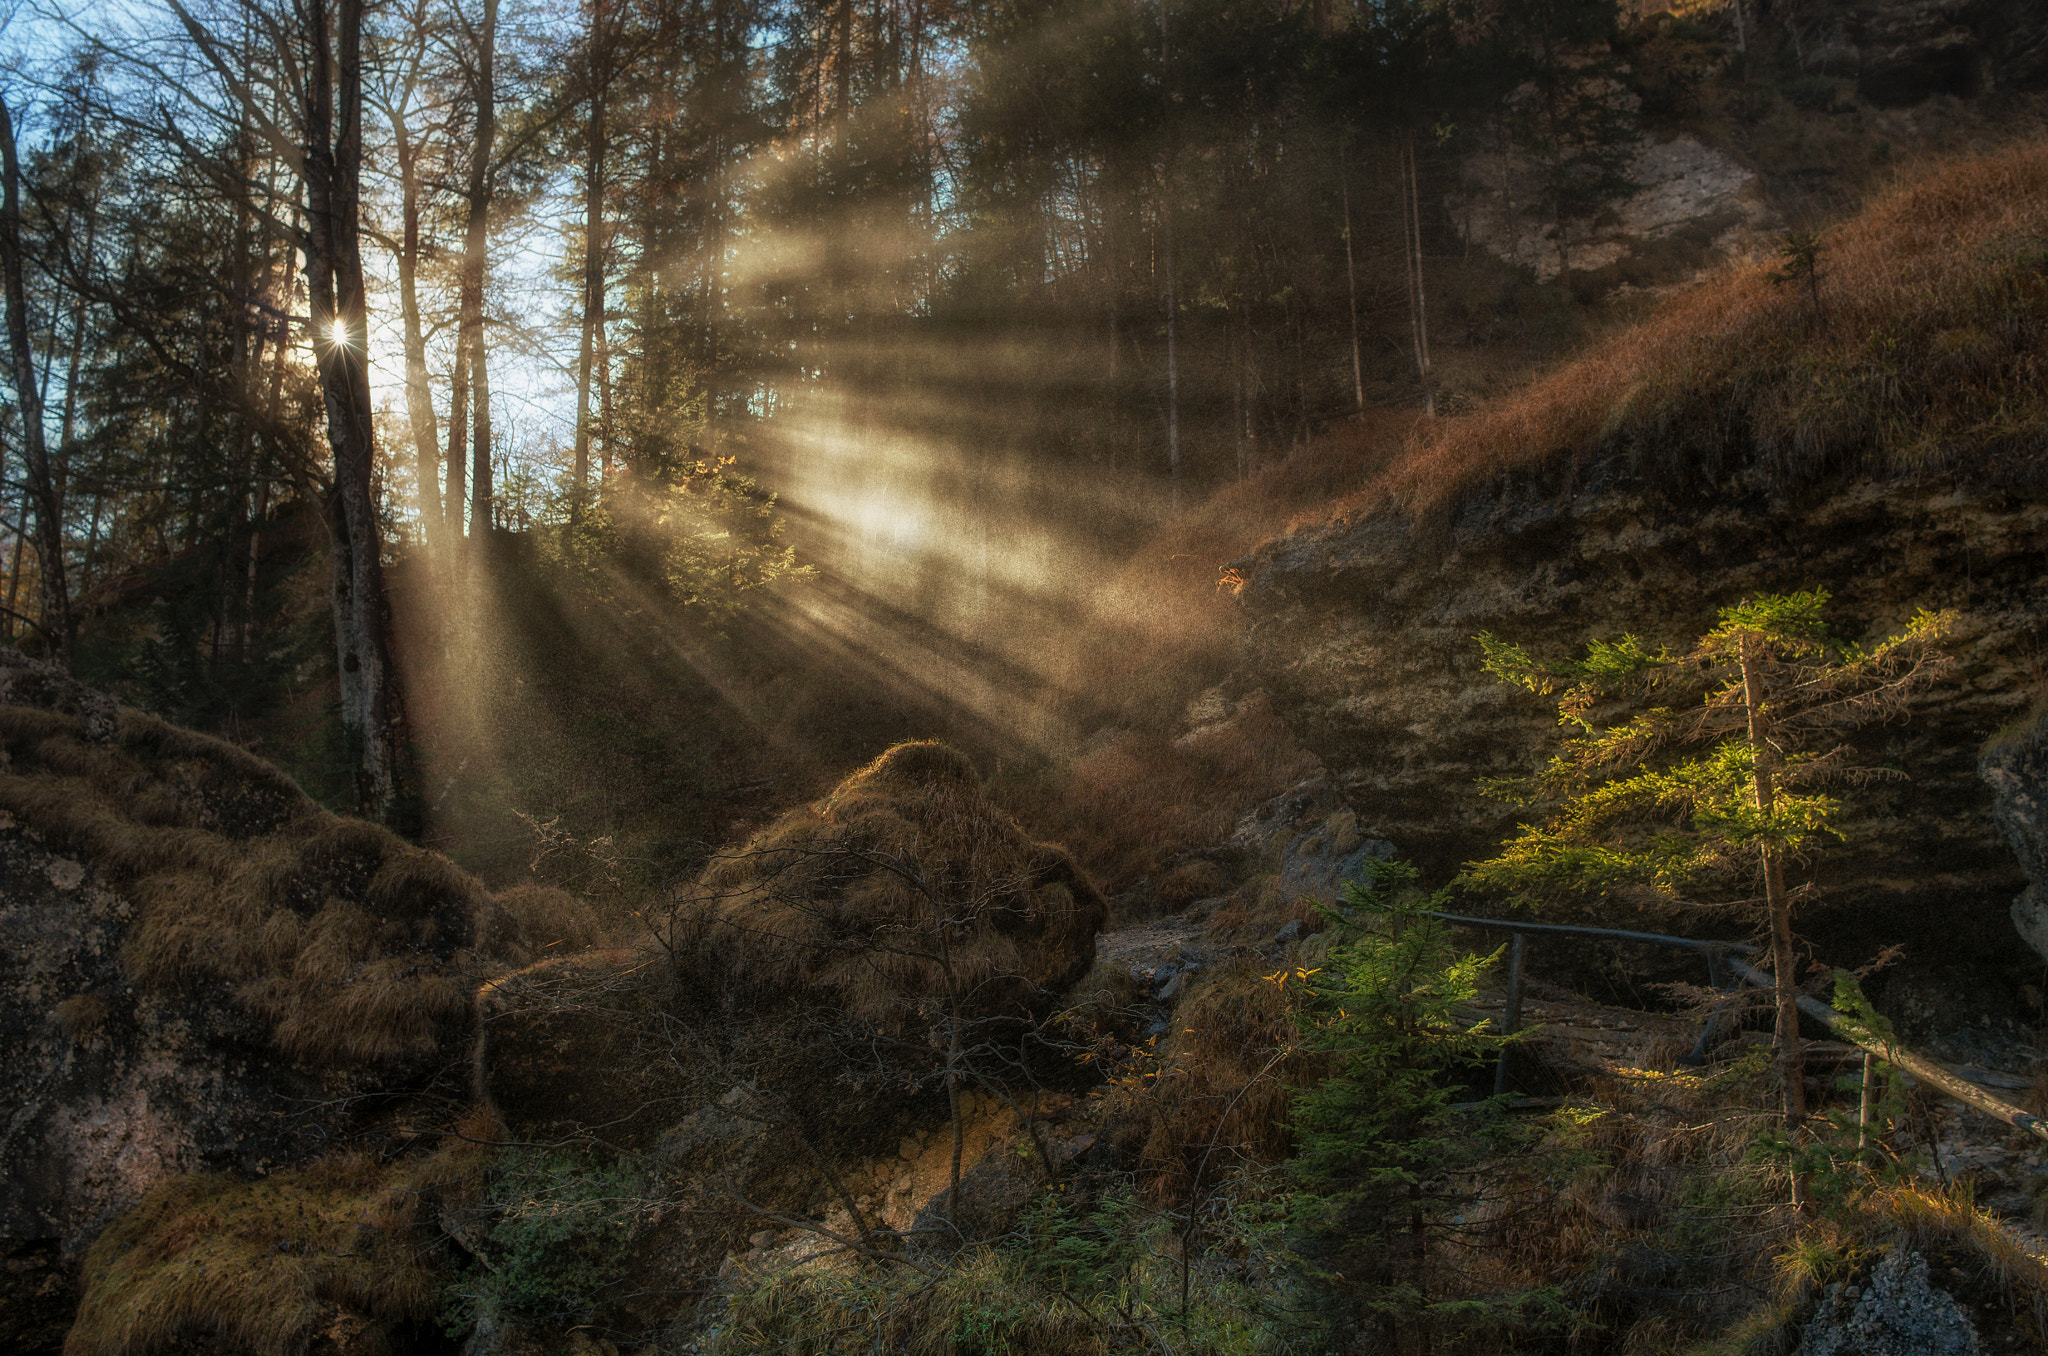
1075	1278
557	1228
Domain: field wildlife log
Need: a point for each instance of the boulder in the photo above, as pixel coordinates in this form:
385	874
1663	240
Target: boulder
205	973
903	888
2016	769
1693	208
1896	1312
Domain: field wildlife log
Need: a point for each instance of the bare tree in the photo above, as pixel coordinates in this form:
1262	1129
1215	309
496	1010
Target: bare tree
41	480
469	409
401	99
318	54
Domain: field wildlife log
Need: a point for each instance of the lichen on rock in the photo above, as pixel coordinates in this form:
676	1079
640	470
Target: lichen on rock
1896	1312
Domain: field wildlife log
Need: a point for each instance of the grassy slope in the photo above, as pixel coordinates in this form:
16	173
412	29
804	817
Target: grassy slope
1920	352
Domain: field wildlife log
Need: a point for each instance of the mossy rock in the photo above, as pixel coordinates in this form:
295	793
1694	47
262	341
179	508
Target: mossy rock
905	886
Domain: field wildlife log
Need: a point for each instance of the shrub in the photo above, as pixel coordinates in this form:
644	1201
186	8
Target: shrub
1383	1149
559	1229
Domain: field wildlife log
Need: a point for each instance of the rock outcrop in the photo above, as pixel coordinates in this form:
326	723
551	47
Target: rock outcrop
204	972
1364	632
2015	766
1903	51
1693	208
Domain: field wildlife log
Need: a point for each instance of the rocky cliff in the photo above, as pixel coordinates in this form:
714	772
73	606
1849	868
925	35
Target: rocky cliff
1364	637
1877	432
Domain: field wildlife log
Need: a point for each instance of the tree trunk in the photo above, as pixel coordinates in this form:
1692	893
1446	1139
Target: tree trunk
67	419
469	360
419	399
1418	302
842	105
273	409
42	482
1172	285
1779	903
480	488
458	428
593	258
372	709
1351	281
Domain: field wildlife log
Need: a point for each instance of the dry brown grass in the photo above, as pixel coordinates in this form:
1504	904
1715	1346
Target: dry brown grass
1925	355
351	943
1140	798
1931	1220
1216	1097
270	1266
1167	624
904	884
552	922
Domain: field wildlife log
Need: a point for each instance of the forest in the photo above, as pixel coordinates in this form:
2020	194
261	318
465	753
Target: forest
1010	676
605	283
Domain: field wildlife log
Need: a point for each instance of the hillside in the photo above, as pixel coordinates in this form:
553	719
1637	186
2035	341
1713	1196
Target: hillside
1879	434
829	680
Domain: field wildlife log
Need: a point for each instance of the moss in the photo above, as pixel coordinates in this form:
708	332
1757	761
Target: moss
352	944
904	884
267	1266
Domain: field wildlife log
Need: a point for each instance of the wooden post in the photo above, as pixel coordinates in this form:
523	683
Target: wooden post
1864	1103
1511	1020
1716	976
1905	1061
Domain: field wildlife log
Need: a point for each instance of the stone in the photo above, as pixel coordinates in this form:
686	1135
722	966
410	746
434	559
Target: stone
2016	768
1899	1312
992	1194
1686	192
121	1066
1915	48
1289	931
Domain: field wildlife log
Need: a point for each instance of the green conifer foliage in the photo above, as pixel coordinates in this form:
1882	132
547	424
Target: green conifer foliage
1387	1158
1694	777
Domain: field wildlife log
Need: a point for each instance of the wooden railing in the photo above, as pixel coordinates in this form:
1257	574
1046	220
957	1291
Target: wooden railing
1728	954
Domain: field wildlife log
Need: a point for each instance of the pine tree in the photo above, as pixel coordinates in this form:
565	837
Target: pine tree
1386	1156
1720	792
